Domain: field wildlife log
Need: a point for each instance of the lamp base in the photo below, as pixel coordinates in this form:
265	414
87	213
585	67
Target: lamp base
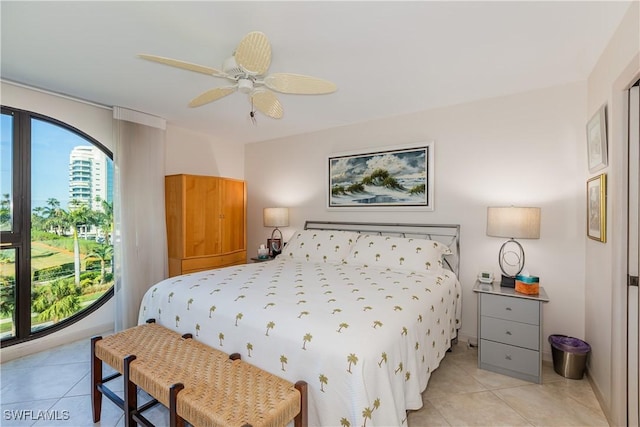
508	282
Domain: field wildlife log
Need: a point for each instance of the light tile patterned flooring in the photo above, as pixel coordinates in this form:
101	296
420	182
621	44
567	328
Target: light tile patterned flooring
55	384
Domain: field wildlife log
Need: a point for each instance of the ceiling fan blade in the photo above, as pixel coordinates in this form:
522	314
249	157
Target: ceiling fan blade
253	53
184	65
298	84
267	103
212	95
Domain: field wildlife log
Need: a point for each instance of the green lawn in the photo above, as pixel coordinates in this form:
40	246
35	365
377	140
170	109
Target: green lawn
44	255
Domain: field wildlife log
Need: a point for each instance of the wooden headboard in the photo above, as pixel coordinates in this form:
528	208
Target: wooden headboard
448	234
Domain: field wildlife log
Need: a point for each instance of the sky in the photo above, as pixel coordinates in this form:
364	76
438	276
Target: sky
51	146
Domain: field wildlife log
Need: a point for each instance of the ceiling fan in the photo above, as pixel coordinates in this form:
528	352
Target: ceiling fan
246	68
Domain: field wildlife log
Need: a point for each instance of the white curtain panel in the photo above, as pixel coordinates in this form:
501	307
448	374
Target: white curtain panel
140	244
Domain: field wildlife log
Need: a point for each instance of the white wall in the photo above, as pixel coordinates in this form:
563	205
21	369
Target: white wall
199	154
605	323
96	122
525	149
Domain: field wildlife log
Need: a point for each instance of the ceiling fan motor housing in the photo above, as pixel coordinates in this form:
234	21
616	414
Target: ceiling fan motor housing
231	67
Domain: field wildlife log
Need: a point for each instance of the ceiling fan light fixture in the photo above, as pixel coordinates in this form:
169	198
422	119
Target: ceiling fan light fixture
245	85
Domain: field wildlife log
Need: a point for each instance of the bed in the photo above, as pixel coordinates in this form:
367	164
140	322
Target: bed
363	312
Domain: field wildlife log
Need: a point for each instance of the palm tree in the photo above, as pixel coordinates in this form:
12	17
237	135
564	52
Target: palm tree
344	422
103	253
54	216
366	414
211	310
249	348
238	317
283	361
383	359
104	219
353	360
270	325
307	338
57	300
78	216
323	380
5	212
8	301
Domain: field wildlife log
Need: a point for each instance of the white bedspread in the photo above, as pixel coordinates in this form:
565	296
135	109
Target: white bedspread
365	340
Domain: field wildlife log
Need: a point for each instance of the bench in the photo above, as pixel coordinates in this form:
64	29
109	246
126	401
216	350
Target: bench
199	384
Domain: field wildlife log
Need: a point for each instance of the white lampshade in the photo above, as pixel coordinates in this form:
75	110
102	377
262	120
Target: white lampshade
513	222
275	217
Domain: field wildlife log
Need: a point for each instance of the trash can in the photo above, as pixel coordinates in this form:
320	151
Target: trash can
569	356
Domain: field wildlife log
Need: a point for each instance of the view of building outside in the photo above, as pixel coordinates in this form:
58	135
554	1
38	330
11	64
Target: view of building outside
71	226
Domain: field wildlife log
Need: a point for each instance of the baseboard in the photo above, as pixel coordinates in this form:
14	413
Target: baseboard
50	341
599	397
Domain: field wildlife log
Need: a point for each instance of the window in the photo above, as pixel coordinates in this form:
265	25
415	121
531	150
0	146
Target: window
56	216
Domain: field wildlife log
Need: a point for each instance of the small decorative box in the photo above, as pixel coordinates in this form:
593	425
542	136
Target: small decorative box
528	285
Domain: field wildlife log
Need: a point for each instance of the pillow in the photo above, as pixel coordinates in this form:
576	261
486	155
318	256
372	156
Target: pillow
320	245
398	253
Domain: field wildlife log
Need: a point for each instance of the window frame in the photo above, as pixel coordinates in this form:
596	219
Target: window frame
19	237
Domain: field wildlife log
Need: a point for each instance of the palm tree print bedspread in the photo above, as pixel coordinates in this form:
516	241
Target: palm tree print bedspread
365	339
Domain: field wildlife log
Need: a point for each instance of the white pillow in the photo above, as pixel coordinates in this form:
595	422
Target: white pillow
398	253
320	245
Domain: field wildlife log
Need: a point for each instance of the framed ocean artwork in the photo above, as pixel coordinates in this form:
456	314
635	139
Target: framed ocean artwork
391	177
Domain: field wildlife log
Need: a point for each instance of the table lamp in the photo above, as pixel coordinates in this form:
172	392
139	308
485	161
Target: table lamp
513	223
275	217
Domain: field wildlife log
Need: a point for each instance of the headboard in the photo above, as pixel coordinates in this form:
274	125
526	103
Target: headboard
448	234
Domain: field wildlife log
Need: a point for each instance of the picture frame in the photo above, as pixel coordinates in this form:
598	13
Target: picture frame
597	208
597	152
396	177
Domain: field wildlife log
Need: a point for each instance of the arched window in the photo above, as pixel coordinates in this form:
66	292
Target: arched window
56	217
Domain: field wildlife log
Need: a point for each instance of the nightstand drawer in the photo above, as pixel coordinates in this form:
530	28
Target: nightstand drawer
509	332
509	357
517	309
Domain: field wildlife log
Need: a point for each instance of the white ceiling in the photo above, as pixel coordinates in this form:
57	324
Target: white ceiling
387	58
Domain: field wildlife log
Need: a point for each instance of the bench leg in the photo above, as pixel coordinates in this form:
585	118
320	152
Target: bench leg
96	378
130	393
302	419
174	419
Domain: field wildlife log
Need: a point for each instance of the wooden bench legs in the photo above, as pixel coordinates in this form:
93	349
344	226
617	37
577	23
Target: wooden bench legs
98	387
153	357
302	419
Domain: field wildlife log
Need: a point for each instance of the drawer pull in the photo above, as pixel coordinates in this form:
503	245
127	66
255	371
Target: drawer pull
508	308
508	357
508	332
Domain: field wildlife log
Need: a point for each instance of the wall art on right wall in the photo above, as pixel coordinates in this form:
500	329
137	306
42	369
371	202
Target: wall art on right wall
597	140
597	208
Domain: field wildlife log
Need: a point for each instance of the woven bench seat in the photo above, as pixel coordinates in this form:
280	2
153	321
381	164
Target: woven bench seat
199	384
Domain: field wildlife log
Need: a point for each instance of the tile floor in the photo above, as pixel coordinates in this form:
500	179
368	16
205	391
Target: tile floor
55	384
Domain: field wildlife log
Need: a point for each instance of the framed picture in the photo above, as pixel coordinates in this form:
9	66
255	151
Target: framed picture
597	140
597	208
401	176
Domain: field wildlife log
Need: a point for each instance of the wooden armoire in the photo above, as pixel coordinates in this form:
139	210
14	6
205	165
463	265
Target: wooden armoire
206	222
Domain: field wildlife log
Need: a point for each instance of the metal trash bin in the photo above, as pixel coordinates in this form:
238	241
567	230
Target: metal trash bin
569	356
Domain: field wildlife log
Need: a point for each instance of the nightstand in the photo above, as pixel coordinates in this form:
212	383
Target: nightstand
256	259
510	331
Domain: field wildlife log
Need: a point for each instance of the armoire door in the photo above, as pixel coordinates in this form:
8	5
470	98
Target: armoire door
233	215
